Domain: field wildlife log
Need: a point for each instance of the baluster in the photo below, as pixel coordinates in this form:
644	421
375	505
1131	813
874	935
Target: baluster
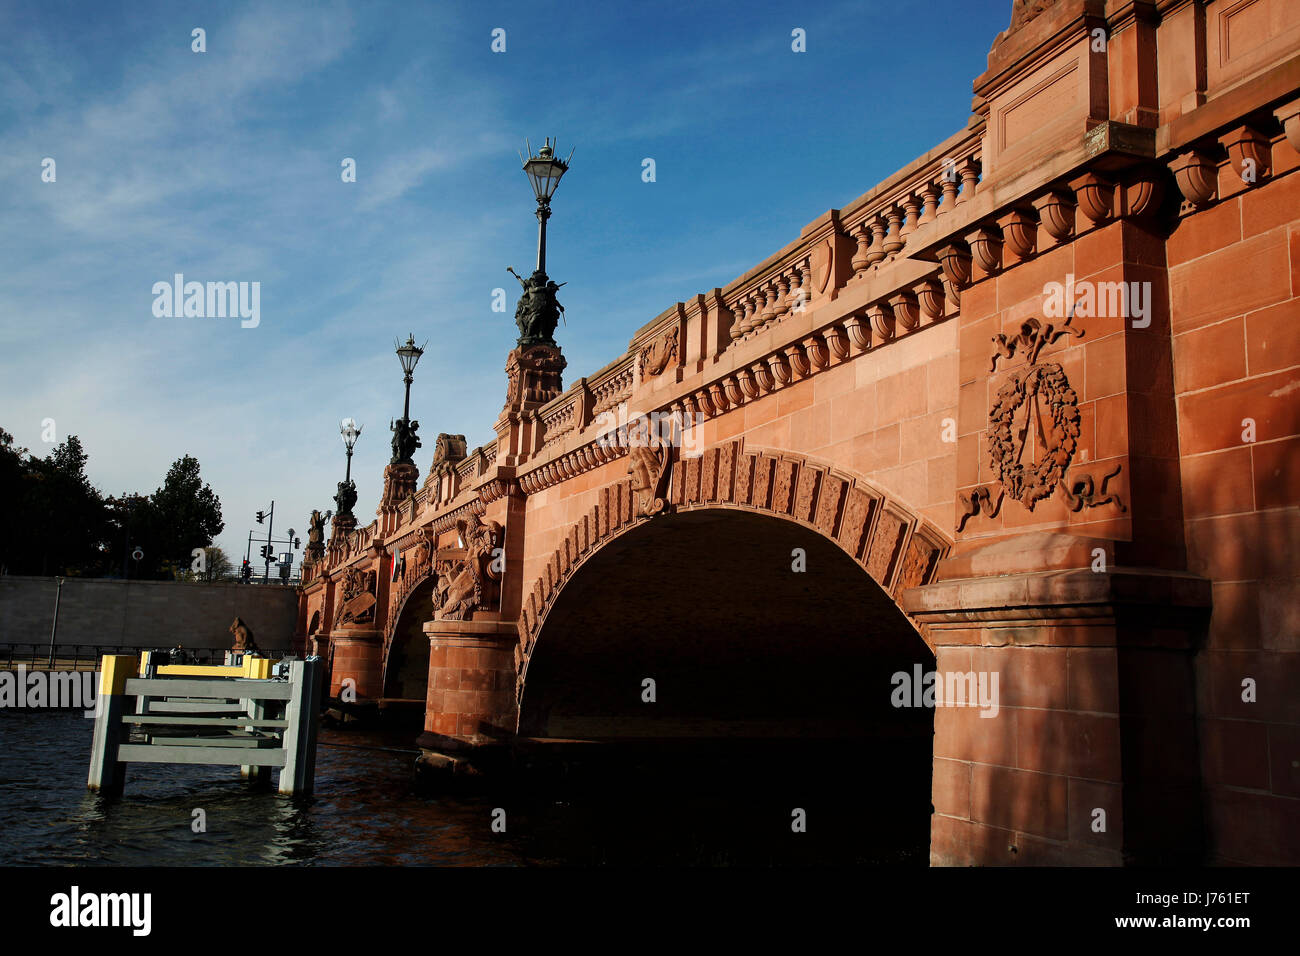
877	251
737	316
951	183
894	241
861	258
930	198
782	306
911	212
769	304
970	168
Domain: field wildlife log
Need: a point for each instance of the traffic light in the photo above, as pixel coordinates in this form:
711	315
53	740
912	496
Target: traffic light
261	515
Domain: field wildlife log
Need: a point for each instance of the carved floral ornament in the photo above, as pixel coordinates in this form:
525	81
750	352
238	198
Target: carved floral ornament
1036	404
1038	397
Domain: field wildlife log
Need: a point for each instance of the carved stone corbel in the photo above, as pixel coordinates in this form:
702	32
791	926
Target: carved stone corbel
1250	152
1197	175
1056	213
986	248
1020	230
1096	196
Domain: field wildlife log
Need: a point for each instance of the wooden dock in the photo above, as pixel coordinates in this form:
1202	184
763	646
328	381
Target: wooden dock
234	715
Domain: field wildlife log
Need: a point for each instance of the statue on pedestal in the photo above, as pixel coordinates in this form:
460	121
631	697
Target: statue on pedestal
346	497
538	311
405	441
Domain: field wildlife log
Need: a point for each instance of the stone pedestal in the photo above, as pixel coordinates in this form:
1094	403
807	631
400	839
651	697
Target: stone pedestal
471	697
1090	757
400	481
534	376
358	655
342	526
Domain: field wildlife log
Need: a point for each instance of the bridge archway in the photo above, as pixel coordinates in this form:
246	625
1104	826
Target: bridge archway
748	625
764	609
896	548
406	649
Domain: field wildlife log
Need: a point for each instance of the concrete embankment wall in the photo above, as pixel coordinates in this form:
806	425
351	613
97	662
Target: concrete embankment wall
144	613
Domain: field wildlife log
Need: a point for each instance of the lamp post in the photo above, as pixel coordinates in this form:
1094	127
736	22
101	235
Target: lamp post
408	354
539	311
404	439
346	497
350	431
544	171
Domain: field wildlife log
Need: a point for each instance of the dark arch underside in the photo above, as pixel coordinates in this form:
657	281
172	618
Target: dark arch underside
772	697
707	604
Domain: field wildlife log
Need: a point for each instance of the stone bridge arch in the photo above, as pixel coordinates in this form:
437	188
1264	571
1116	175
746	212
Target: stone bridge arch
403	624
897	548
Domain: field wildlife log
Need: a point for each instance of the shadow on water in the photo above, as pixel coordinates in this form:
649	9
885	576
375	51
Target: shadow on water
633	805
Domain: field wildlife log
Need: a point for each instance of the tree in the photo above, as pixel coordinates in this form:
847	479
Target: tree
182	515
59	521
216	567
14	542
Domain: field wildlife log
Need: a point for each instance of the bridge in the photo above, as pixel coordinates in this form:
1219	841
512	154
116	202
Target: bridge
1022	416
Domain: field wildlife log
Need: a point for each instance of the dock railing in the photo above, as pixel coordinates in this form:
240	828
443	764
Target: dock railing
235	715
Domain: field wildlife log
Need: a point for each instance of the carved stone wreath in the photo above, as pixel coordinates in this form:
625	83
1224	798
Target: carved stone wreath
1033	389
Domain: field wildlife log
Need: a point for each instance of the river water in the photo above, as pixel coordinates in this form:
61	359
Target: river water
366	810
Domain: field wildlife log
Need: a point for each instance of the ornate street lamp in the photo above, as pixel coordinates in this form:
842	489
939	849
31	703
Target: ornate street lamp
350	431
347	493
408	354
404	438
544	171
538	311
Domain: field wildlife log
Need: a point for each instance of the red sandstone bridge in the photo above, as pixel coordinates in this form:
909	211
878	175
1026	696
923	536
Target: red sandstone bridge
1026	408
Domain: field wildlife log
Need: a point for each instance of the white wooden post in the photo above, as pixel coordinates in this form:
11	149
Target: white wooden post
299	773
107	773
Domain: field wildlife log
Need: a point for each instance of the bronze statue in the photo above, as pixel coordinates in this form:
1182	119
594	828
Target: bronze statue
405	441
538	311
315	527
346	497
243	637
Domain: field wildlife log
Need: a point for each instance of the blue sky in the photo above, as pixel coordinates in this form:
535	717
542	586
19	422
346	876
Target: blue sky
225	166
